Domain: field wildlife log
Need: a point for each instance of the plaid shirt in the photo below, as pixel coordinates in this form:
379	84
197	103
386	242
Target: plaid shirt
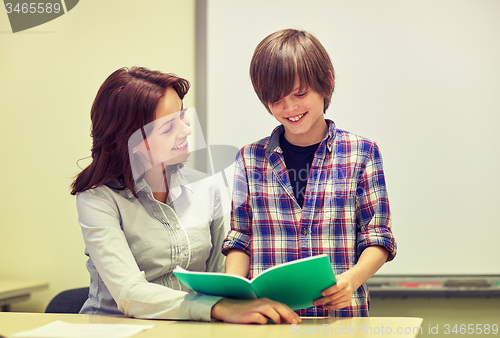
345	209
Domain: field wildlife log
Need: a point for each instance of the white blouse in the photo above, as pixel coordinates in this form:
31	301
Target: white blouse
133	245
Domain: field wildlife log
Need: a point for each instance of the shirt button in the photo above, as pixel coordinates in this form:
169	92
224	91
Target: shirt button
304	231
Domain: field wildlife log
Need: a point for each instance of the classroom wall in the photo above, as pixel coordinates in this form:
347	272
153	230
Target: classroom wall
49	76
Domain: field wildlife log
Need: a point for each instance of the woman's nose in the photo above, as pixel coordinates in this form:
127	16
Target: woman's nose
185	127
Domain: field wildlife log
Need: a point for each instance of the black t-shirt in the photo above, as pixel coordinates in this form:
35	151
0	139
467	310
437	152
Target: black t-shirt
298	161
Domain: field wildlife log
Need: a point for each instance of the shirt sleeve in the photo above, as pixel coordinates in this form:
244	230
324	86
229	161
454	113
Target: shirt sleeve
239	236
134	295
372	207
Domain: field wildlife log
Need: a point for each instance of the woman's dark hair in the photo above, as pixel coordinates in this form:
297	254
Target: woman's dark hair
125	102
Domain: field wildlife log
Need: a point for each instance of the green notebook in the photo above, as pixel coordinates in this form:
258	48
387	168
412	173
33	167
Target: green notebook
297	283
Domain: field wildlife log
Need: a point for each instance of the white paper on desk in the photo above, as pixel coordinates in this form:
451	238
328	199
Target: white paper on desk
60	329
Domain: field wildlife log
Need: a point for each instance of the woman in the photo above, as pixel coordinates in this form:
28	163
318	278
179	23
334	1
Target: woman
142	213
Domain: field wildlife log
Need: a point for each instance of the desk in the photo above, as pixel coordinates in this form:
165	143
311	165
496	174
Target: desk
13	291
11	322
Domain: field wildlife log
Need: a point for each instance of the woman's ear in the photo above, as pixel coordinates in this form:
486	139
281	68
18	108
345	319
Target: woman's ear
140	149
141	157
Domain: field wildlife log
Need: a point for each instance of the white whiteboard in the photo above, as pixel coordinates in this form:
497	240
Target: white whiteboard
421	78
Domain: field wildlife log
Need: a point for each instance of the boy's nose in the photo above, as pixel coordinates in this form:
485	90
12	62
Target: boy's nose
289	104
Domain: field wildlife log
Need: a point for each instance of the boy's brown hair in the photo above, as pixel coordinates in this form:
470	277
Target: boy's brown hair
283	55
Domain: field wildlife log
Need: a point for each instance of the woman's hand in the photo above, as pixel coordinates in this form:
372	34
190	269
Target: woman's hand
253	311
337	296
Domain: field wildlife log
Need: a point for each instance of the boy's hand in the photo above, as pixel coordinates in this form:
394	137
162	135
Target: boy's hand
337	296
253	311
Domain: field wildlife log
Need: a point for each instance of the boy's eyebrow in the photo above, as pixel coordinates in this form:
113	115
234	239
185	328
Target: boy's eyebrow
298	89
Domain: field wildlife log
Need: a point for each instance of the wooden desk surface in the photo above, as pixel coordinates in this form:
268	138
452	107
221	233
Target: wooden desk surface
11	322
11	288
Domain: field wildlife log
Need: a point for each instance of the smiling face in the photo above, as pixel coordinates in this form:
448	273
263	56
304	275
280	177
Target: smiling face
301	113
168	140
167	135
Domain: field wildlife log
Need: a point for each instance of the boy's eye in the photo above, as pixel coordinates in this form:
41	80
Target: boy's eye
301	94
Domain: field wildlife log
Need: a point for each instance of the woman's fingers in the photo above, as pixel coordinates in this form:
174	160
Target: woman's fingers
253	311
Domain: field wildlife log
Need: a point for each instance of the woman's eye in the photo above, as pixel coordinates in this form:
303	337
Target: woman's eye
169	129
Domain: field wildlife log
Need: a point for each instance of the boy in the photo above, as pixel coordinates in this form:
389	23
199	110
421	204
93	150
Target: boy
309	188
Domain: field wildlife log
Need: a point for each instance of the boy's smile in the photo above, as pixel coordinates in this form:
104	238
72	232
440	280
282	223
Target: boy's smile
301	113
296	118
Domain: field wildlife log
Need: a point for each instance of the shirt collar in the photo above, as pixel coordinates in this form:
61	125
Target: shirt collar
273	142
176	183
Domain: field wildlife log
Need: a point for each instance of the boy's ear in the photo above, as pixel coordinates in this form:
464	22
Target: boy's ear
332	81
